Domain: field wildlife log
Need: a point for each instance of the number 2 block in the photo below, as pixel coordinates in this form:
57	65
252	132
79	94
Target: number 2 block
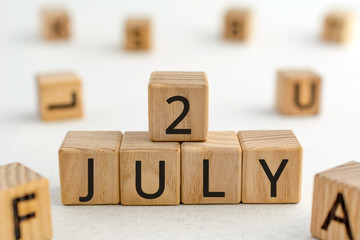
178	106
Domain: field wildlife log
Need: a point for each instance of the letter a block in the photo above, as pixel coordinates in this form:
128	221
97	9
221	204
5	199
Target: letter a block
211	170
138	34
298	92
272	167
336	201
178	106
24	204
237	24
55	24
149	171
60	96
89	168
337	27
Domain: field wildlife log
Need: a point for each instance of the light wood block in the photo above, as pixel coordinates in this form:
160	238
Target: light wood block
178	106
336	201
60	96
298	92
149	171
338	27
24	204
272	166
237	24
138	34
211	170
89	168
55	24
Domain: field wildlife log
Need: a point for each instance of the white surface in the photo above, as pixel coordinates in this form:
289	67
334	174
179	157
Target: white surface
242	92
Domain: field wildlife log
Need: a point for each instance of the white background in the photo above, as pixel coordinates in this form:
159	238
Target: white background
187	36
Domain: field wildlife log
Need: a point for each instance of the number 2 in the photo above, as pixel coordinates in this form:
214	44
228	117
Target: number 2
171	129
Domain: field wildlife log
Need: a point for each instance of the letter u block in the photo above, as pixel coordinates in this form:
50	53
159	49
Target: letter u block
298	92
24	204
149	171
89	168
336	201
272	166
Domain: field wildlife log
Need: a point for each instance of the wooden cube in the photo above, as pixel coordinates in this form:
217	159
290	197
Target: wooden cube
138	34
337	27
149	171
298	92
336	201
237	24
272	166
24	204
89	168
211	170
55	24
60	96
178	106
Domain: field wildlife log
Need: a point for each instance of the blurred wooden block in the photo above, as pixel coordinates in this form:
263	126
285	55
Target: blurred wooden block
178	106
55	24
298	92
24	204
211	170
89	168
138	34
237	24
149	171
337	27
272	166
336	201
60	96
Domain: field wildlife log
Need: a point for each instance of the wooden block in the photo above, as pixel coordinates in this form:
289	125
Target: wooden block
272	166
55	24
337	27
149	171
237	24
89	168
298	92
178	106
211	170
60	96
24	204
336	201
138	34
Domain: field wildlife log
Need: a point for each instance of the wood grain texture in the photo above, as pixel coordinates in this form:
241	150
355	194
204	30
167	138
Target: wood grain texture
273	147
137	146
345	180
298	92
138	34
338	27
223	151
17	181
55	24
75	151
60	96
237	24
164	86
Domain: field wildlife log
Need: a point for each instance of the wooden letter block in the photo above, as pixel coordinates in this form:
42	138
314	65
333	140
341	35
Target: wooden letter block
211	170
336	201
149	171
237	24
178	106
298	92
24	204
337	27
272	167
89	168
60	96
55	24
138	34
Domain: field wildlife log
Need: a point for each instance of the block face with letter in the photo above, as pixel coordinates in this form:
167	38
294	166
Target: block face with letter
272	166
338	26
24	204
178	106
237	24
55	24
138	34
89	168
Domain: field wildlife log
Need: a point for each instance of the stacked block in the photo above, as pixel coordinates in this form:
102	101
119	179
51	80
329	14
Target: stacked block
337	27
55	24
237	24
138	34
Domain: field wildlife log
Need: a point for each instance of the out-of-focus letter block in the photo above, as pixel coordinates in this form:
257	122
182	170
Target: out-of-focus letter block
55	24
272	167
138	34
89	168
149	171
336	201
60	96
24	204
178	106
211	170
237	24
298	92
337	27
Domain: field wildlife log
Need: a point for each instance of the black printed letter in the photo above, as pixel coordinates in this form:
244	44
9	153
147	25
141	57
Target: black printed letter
273	178
17	218
90	182
206	192
297	97
161	181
